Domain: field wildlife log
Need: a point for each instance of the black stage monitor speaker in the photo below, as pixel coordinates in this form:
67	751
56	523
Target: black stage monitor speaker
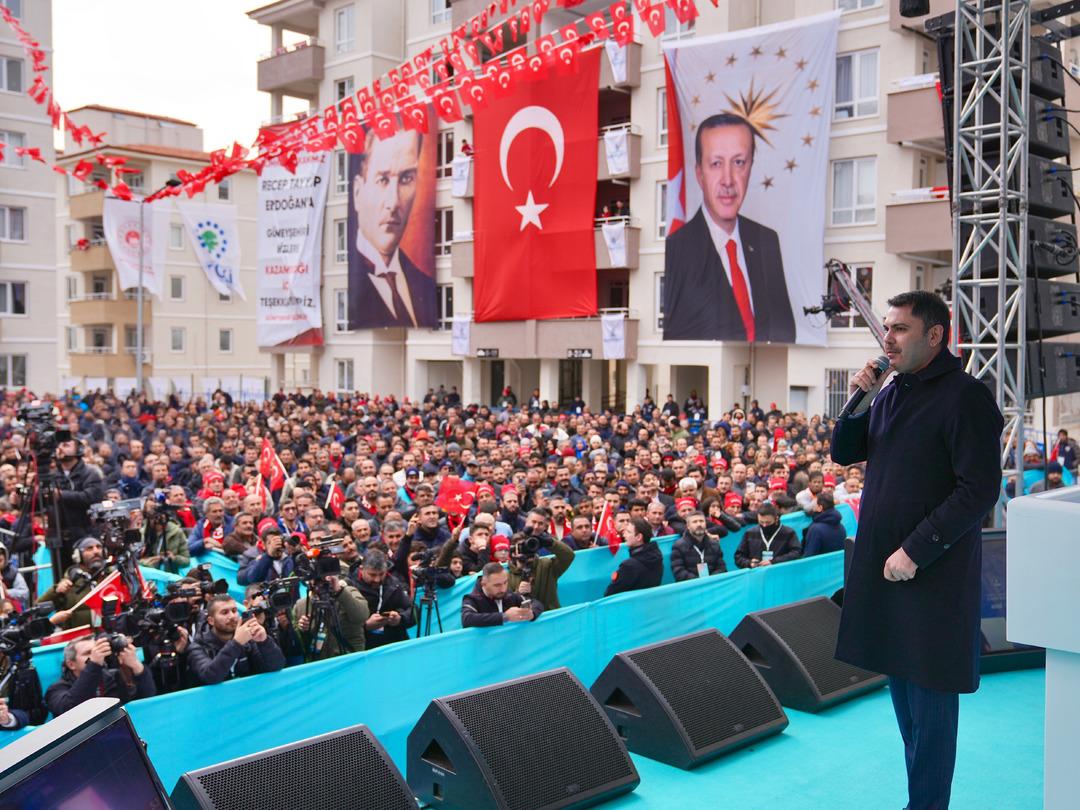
688	699
914	8
792	647
347	768
532	743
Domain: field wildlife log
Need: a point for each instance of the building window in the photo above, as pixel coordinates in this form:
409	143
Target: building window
854	193
11	75
12	297
440	11
341	172
11	141
343	88
100	339
444	150
863	276
177	339
661	209
224	190
225	341
131	342
13	370
14	6
856	85
343	29
176	288
444	230
836	390
12	224
341	310
661	117
71	338
856	5
344	376
72	288
446	307
673	29
176	236
658	300
341	241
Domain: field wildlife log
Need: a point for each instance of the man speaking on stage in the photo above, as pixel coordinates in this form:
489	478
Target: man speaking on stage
931	444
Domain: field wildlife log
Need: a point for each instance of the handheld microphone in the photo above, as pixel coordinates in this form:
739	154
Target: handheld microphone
882	364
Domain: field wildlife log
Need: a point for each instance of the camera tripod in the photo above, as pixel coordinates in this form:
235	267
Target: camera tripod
324	617
25	691
427	598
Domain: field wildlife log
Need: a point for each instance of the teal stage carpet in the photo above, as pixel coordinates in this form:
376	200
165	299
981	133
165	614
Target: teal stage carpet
851	757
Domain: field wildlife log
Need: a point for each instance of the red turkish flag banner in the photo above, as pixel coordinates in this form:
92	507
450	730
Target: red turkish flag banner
112	585
605	528
455	496
535	158
335	499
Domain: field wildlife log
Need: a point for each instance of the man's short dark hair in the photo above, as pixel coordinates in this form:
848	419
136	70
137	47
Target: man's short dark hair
642	527
217	599
491	568
721	120
825	500
644	504
768	508
928	307
375	560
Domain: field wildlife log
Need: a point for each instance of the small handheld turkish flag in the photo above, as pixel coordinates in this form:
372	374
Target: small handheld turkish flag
536	156
605	528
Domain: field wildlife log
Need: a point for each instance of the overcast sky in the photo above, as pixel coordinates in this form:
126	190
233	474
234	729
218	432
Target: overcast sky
188	59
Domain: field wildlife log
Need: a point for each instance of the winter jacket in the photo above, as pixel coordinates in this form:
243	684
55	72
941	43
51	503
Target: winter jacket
480	610
687	553
211	660
824	534
784	545
644	568
96	681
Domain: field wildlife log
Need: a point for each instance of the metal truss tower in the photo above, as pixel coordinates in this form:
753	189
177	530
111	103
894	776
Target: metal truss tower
990	192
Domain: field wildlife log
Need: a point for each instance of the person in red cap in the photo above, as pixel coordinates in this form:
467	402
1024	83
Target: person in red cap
733	506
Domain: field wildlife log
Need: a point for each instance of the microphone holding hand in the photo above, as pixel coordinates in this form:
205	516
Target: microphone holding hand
865	385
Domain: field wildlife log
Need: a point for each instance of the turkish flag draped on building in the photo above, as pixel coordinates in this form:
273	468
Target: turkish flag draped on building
535	157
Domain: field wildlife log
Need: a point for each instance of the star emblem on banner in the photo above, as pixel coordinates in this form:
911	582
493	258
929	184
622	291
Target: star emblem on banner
695	100
815	111
790	165
530	212
767	183
812	84
808	140
781	53
800	64
710	77
756	51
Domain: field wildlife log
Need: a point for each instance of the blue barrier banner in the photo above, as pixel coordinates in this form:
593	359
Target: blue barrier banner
389	688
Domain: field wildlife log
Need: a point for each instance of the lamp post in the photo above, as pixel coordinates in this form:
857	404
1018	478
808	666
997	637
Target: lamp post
172	182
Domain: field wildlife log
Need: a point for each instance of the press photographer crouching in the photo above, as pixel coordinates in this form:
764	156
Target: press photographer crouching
389	606
228	648
491	603
105	666
164	541
80	579
332	616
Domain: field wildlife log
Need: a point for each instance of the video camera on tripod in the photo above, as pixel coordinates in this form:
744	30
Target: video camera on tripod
112	520
44	436
17	636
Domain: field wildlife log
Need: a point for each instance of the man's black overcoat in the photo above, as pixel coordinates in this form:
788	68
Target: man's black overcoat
931	443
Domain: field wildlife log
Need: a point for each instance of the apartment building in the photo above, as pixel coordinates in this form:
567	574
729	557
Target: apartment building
883	215
28	340
195	339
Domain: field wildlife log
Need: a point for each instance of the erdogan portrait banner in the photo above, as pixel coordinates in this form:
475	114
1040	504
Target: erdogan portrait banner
748	157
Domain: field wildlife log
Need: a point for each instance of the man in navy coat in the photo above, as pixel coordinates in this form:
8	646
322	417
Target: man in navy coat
931	441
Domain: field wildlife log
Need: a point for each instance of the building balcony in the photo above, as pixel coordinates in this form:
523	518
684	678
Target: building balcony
296	72
557	339
633	246
95	258
937	7
301	16
633	70
102	363
461	258
633	161
107	310
914	112
919	223
89	205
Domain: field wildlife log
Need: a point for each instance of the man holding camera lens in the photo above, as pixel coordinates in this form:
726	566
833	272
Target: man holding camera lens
390	608
86	675
164	542
76	584
266	560
228	648
535	575
326	634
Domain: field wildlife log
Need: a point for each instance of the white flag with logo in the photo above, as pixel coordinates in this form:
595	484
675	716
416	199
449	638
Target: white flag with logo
460	168
459	336
615	239
215	238
616	55
122	234
617	151
613	335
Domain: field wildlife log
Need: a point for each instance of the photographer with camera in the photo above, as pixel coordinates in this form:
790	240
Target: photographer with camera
15	586
79	580
389	605
336	634
532	574
87	673
266	560
278	621
228	648
490	603
164	542
78	487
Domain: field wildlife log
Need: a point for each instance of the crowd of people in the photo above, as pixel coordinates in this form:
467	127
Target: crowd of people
399	496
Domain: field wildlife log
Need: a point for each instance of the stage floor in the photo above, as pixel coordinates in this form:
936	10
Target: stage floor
851	757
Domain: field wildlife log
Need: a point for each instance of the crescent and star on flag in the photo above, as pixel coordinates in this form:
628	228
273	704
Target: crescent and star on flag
543	119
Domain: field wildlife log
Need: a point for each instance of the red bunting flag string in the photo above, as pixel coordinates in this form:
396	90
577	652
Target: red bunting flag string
483	54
